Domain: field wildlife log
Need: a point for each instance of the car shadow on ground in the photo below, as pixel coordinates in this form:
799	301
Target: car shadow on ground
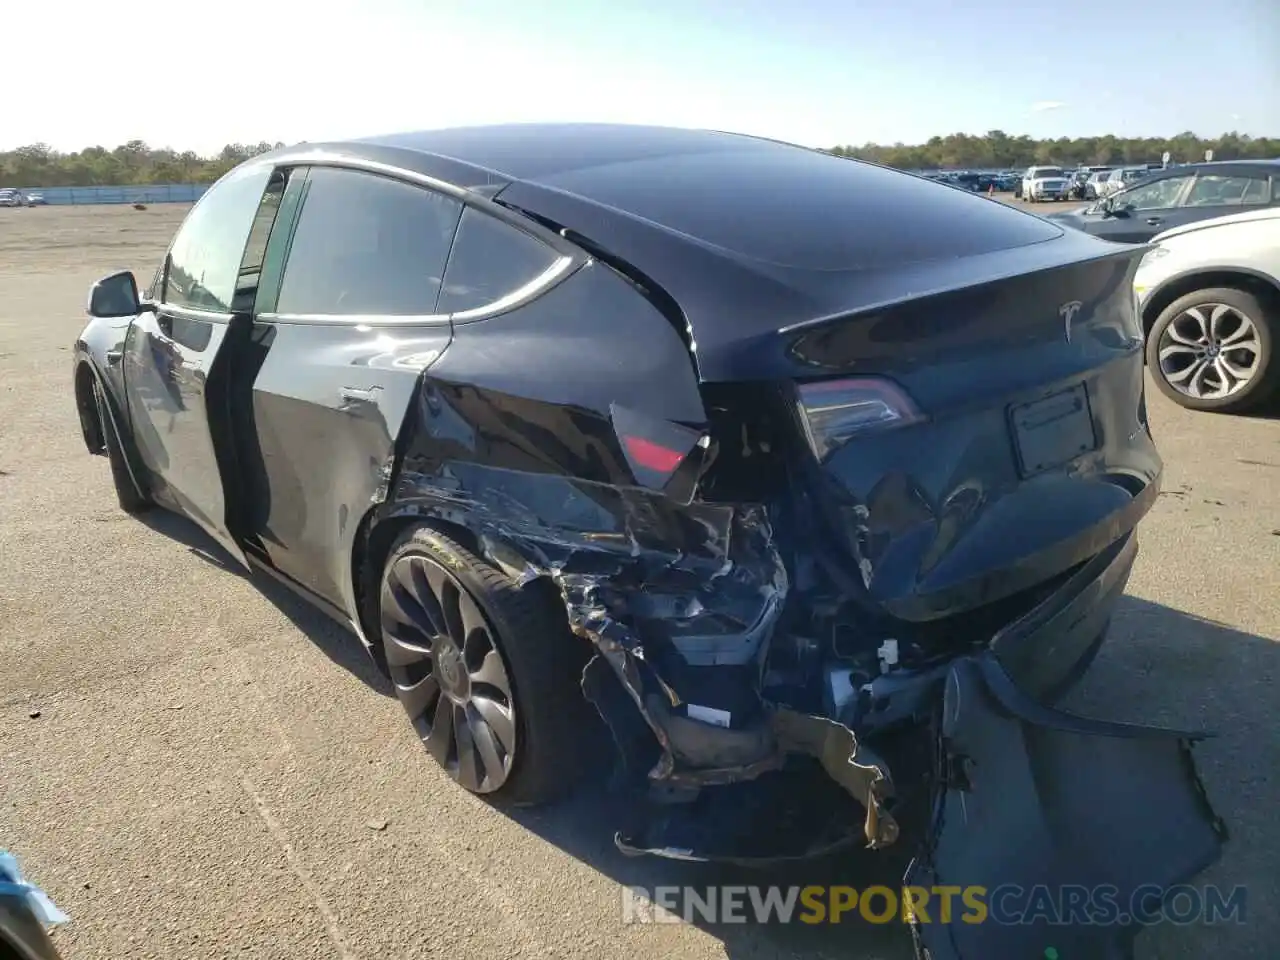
333	640
1159	666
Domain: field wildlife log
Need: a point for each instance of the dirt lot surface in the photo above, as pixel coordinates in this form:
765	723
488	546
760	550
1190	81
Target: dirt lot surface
215	770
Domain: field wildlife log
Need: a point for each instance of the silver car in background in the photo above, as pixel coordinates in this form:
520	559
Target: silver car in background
1120	178
1209	295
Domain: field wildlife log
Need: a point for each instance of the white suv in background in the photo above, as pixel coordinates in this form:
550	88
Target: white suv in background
1044	183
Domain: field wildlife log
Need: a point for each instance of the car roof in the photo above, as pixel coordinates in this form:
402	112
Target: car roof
744	235
535	151
764	200
1263	167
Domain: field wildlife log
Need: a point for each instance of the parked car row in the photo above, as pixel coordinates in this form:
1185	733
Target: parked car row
1159	200
10	197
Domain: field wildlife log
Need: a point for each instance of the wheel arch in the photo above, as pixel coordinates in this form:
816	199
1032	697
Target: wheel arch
91	428
1264	287
378	532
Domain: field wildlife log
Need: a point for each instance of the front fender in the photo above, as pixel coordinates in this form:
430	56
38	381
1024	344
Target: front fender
95	360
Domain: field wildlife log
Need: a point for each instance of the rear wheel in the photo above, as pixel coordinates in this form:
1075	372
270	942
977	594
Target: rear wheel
1213	349
487	671
130	498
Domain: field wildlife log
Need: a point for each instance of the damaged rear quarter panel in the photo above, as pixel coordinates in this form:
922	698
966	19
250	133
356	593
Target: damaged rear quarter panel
513	439
511	434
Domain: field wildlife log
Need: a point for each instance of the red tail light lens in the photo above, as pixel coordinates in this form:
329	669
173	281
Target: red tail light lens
653	456
835	411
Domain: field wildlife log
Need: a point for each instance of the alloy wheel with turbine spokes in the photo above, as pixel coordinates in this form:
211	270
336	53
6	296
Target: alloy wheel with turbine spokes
448	672
1210	351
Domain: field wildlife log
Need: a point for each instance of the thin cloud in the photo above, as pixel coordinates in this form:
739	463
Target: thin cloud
1043	106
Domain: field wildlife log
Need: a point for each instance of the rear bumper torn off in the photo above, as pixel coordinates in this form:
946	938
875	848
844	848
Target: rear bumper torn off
1030	798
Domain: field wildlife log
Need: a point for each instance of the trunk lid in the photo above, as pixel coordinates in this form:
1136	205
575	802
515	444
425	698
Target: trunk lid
1016	394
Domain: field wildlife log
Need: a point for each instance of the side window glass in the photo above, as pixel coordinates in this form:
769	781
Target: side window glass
1256	191
204	260
256	247
1153	196
367	245
1216	190
490	259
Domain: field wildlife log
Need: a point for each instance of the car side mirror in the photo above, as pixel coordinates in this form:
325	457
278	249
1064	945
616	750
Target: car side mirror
115	296
1109	208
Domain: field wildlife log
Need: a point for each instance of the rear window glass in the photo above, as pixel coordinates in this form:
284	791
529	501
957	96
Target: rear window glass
490	259
802	208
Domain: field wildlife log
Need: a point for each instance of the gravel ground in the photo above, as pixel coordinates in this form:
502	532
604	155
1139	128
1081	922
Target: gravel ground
214	769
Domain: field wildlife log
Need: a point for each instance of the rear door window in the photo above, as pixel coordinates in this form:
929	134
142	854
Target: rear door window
1217	190
490	260
367	245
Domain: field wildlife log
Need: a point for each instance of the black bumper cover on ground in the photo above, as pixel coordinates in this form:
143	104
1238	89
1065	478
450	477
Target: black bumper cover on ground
1032	797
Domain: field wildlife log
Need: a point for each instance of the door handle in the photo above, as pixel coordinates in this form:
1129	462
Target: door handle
114	357
1152	221
357	395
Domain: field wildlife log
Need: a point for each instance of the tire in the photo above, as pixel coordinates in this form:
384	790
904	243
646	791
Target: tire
130	498
1177	324
433	591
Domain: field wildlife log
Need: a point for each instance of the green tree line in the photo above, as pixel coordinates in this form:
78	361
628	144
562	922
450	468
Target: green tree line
999	150
39	165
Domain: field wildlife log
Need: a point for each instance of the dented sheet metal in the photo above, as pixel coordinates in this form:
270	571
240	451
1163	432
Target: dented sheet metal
713	603
1033	797
687	602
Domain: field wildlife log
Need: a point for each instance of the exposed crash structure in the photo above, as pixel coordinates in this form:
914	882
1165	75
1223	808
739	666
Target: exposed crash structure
820	500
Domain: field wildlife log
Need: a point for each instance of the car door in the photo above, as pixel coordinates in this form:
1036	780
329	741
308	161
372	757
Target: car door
1140	212
175	353
336	347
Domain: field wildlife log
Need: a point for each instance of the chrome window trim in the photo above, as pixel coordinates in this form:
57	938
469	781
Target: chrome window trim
556	273
568	261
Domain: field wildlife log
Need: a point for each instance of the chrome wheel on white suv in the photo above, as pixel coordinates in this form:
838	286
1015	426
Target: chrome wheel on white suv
1212	350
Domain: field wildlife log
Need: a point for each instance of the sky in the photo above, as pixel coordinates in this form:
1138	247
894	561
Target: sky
196	75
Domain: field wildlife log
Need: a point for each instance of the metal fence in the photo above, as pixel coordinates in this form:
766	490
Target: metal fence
134	193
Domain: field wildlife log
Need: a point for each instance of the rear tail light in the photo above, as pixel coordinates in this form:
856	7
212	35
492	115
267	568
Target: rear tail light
659	452
835	411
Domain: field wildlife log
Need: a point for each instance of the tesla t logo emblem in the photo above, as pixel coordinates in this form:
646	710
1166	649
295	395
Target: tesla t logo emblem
1068	313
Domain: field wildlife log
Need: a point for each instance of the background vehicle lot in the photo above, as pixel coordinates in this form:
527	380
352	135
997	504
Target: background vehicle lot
215	768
